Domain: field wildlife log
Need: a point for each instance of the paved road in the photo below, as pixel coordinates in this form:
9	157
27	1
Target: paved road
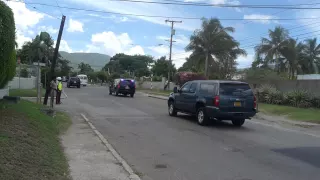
160	147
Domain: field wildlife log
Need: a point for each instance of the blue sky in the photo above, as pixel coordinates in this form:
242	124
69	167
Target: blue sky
111	33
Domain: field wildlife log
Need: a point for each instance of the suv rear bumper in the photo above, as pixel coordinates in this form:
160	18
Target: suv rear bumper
215	112
126	91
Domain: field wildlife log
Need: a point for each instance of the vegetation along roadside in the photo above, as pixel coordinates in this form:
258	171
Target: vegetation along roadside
29	143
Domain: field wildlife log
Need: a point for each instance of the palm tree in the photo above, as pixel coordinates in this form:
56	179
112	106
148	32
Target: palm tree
292	52
212	42
311	56
270	48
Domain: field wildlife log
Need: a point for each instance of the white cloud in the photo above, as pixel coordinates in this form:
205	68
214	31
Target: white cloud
64	46
48	29
179	39
260	18
245	62
110	43
160	50
21	39
75	26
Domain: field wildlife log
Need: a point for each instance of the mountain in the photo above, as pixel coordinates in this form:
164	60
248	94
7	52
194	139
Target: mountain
95	60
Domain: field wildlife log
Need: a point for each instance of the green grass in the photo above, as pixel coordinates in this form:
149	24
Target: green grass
293	113
156	92
30	148
25	92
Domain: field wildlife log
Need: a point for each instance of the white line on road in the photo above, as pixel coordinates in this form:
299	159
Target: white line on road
125	165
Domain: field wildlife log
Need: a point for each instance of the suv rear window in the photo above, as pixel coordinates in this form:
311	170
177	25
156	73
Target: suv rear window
208	88
74	79
233	89
127	82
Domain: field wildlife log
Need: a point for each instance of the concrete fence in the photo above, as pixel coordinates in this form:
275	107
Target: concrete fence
25	83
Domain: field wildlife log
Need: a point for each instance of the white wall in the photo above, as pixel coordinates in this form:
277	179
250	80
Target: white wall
308	76
25	83
156	85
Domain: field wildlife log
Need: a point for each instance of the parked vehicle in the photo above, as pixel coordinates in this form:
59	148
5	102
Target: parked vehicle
83	79
213	99
74	81
123	86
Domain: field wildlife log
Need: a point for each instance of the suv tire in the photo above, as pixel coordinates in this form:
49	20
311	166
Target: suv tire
131	95
79	86
238	122
110	93
171	109
202	117
117	94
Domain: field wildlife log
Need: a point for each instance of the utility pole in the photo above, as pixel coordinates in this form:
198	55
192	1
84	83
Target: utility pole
170	54
55	55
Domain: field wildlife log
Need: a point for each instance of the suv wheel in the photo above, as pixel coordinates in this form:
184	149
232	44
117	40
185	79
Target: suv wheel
171	109
110	93
202	117
131	95
238	122
117	93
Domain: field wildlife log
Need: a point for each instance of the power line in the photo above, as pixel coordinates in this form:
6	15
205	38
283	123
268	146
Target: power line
266	6
44	12
59	7
158	16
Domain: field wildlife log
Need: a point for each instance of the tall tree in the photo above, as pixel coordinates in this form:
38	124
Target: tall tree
214	45
84	68
270	48
311	56
161	67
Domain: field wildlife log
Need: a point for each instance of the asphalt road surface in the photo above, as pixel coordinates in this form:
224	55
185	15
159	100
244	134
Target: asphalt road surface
159	147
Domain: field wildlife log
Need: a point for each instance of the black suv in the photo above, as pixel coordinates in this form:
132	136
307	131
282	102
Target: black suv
73	81
122	86
213	99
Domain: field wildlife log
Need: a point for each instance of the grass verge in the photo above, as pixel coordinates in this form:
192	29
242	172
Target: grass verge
156	92
293	113
30	148
25	92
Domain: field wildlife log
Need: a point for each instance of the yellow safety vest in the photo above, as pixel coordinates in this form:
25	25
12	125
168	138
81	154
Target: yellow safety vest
59	86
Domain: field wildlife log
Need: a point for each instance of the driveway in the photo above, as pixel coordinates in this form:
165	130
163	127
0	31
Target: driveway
159	147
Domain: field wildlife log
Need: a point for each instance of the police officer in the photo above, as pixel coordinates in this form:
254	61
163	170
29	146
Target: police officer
59	90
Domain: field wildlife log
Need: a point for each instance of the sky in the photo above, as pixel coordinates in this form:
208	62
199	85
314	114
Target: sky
96	31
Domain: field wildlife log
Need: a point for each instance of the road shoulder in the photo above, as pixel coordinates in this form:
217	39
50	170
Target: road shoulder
88	156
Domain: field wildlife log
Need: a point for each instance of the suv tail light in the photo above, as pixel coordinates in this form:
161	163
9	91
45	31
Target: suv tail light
118	86
254	102
216	101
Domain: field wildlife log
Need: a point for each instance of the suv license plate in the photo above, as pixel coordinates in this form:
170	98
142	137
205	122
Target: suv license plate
237	104
127	87
74	82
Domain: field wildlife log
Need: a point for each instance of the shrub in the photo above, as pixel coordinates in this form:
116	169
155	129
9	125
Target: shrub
183	77
315	102
24	73
274	96
264	90
156	78
7	45
298	98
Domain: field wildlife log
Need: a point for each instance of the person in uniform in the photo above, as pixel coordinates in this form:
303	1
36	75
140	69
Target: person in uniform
53	87
59	90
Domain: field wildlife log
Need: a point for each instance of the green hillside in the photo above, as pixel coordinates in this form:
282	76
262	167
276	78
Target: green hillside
96	60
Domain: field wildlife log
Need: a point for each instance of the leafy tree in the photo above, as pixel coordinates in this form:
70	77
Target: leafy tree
162	66
63	68
92	76
102	76
213	46
84	68
7	45
24	73
270	48
136	65
310	61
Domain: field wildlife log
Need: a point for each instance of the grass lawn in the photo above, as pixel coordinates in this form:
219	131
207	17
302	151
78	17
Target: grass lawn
30	148
299	114
156	92
25	92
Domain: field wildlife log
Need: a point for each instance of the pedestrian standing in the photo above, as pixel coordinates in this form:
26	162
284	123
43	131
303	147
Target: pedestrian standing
53	87
59	90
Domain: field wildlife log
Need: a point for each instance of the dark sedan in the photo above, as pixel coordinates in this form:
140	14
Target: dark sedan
73	81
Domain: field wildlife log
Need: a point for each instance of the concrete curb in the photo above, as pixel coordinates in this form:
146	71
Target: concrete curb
41	98
157	97
124	164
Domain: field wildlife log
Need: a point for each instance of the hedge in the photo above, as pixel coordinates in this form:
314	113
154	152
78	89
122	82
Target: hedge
7	45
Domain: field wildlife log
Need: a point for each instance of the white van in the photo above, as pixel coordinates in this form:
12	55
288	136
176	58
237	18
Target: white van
83	79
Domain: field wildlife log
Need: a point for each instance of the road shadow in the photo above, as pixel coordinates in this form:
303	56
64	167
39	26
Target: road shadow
214	124
309	155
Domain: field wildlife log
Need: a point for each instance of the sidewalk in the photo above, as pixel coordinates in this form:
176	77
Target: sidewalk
88	157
